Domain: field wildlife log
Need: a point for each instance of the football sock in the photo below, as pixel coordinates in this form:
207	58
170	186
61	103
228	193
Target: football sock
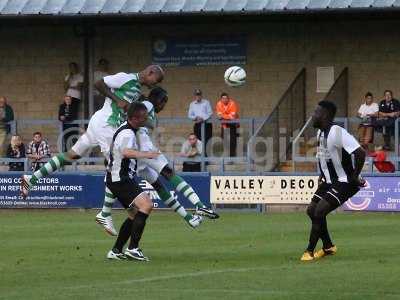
326	239
168	200
314	234
55	163
123	235
182	186
138	224
109	200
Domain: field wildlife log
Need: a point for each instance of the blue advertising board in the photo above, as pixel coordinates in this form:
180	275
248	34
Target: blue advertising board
82	191
197	51
380	194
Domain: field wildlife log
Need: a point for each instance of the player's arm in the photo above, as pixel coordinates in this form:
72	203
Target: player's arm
132	154
351	146
359	160
103	89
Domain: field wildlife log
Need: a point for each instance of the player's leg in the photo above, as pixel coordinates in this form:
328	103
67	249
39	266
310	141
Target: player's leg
335	197
139	206
104	140
314	236
144	206
123	236
160	165
169	200
180	185
104	218
320	228
125	230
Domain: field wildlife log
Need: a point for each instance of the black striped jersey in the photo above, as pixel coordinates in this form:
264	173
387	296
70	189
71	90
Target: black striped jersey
120	168
335	146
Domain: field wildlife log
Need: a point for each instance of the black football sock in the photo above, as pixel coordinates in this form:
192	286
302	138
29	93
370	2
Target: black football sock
138	224
326	239
314	234
123	235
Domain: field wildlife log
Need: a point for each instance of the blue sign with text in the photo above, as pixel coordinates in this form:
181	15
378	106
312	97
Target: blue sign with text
226	50
83	191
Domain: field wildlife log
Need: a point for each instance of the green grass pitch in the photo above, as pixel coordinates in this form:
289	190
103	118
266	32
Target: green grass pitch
61	255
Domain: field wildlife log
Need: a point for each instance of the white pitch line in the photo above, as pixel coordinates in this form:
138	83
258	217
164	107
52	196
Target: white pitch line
184	275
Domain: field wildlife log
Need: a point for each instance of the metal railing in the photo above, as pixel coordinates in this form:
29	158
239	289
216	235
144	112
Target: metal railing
246	124
270	143
308	139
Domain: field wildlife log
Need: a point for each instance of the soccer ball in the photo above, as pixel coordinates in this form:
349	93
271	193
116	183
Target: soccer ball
235	76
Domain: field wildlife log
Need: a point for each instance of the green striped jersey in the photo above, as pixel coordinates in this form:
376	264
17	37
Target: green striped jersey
125	86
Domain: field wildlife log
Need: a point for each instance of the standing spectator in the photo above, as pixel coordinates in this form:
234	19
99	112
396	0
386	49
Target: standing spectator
389	110
6	115
100	73
16	149
200	112
191	148
368	111
73	84
66	114
228	110
37	149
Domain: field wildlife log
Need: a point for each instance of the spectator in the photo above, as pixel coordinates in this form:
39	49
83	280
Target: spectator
100	73
6	115
37	150
16	149
200	112
227	110
191	148
368	111
389	110
73	84
66	114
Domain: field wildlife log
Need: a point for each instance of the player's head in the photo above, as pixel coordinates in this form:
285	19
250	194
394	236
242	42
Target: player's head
152	75
324	114
137	114
159	98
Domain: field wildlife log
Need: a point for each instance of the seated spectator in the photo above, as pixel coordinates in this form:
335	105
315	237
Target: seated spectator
100	73
37	150
191	148
380	161
6	115
73	84
227	109
66	114
200	112
368	111
389	110
16	149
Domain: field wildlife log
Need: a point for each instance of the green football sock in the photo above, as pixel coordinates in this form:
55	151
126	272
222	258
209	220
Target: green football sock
169	201
55	163
182	186
108	203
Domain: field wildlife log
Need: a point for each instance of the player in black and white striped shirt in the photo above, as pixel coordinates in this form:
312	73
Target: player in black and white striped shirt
339	179
120	181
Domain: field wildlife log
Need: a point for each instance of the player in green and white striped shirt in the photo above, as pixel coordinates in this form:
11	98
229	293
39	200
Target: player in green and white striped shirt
151	169
120	90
